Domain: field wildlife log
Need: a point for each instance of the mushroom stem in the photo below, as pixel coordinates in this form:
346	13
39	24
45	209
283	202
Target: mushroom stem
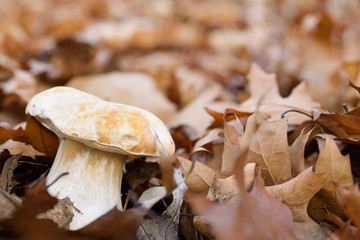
93	183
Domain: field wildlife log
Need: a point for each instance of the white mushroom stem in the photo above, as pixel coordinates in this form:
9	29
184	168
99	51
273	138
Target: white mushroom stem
93	183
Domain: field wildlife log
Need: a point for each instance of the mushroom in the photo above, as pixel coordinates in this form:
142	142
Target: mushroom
96	138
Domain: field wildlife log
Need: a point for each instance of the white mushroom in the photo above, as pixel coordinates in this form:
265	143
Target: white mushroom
96	138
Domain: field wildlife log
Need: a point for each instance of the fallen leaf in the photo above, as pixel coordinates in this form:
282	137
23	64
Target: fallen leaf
194	114
200	178
226	190
297	192
342	125
7	132
350	203
232	131
268	147
338	171
349	200
15	147
297	153
265	98
6	181
39	137
230	221
166	226
24	224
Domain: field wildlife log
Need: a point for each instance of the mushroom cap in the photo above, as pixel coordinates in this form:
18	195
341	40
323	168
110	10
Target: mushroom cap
107	126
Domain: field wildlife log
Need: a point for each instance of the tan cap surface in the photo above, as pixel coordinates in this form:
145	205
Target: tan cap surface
107	126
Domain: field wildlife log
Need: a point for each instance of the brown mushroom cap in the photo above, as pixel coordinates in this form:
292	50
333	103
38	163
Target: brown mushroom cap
107	126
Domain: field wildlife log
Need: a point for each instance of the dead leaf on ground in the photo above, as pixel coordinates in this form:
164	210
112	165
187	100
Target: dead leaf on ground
230	221
200	178
297	153
338	171
268	147
297	192
24	224
41	138
350	202
266	98
232	131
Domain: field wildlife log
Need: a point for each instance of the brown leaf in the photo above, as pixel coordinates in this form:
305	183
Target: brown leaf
200	178
8	172
39	137
241	221
15	147
342	125
226	190
194	114
24	224
268	148
265	97
338	170
297	150
232	131
350	203
297	192
6	132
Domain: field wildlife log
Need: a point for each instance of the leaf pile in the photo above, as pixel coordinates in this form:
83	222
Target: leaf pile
261	99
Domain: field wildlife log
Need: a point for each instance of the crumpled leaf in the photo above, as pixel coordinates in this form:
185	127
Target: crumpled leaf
7	172
343	125
268	147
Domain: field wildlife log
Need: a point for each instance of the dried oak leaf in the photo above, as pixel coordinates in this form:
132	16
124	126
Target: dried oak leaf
7	132
297	192
258	216
297	153
338	171
24	224
265	97
267	146
198	176
350	202
39	137
346	126
232	131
